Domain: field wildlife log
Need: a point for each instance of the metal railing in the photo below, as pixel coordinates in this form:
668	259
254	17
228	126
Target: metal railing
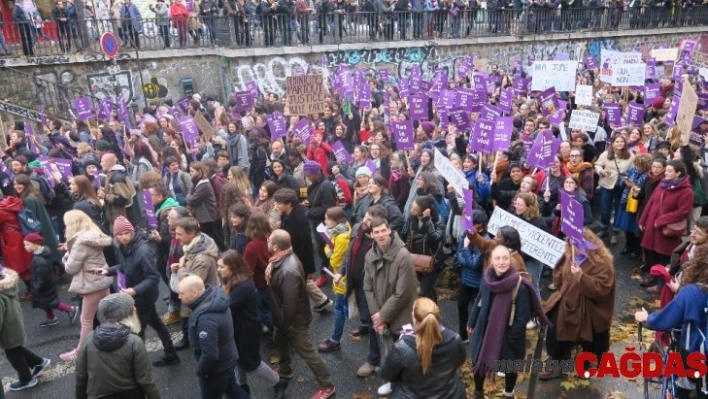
53	39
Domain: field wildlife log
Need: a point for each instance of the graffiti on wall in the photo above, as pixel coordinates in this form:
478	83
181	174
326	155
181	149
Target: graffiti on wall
154	89
52	85
104	85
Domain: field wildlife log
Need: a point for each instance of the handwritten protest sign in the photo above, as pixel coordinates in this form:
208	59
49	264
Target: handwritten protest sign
306	94
613	57
571	216
558	74
628	75
665	54
584	120
535	242
403	134
583	95
451	173
203	124
686	109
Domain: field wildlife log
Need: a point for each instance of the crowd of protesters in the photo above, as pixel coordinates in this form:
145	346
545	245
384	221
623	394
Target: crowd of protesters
249	225
181	23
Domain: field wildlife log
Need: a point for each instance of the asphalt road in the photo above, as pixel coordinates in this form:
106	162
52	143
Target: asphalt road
179	381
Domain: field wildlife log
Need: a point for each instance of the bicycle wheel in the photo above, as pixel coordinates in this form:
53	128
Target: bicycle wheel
653	386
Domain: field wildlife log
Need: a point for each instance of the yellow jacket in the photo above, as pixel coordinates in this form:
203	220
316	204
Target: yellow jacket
341	244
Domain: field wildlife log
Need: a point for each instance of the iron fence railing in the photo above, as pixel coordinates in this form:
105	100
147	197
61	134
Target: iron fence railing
337	28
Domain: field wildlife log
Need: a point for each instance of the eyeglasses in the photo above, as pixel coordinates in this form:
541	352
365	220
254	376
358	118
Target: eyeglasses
575	155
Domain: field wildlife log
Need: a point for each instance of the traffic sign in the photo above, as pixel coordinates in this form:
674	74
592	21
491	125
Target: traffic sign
109	45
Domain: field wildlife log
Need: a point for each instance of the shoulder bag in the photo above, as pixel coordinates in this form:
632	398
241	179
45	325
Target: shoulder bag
672	230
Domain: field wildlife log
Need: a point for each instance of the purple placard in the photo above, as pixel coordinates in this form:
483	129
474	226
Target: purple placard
149	210
467	222
464	69
549	101
276	125
44	161
340	153
252	88
120	278
521	86
590	62
82	106
489	112
147	118
651	92
402	132
613	113
571	217
31	141
190	132
482	136
505	99
418	106
104	108
502	133
688	46
123	113
346	80
635	114
480	98
438	84
64	166
244	101
425	86
303	130
480	80
556	117
42	120
673	109
702	102
698	135
460	118
449	100
364	94
403	88
96	180
183	104
543	152
463	98
383	75
443	115
678	70
561	57
372	166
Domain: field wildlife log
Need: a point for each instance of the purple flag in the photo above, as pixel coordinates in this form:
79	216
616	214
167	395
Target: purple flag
149	210
418	106
123	113
244	101
635	114
276	125
571	216
613	113
402	132
120	277
549	101
482	136
383	75
651	92
673	109
467	222
489	112
372	166
104	109
183	104
460	118
502	133
252	88
505	99
340	153
64	166
544	150
82	106
590	62
303	130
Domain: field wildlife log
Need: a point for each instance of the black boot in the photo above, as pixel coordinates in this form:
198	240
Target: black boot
280	387
170	357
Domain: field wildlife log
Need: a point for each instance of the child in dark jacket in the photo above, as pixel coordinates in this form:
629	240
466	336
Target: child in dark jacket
44	289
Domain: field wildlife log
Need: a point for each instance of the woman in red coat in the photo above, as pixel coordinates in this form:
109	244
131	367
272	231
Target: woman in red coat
14	255
671	202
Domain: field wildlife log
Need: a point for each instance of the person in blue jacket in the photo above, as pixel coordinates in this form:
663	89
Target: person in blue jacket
479	180
689	312
471	261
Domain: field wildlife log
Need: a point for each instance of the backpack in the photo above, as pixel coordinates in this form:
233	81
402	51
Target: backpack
699	193
342	192
28	221
45	189
442	205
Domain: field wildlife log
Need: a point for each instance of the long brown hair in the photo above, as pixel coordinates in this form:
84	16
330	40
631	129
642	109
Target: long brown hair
532	204
85	190
427	334
25	181
624	154
237	266
258	226
595	256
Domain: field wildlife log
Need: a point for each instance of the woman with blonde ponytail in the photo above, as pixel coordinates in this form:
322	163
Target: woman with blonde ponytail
424	362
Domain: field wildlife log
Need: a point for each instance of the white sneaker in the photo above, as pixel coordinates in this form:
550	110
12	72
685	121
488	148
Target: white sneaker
385	389
552	287
500	374
530	325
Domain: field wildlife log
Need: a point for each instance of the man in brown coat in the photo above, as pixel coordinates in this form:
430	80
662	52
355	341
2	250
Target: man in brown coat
119	191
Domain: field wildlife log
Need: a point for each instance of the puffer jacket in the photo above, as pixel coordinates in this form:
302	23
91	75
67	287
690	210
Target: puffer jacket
137	263
200	260
211	333
12	331
85	253
402	368
390	283
112	361
289	303
44	289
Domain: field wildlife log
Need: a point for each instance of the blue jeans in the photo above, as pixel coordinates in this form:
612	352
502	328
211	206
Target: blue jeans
263	301
609	201
2	44
341	311
534	268
218	385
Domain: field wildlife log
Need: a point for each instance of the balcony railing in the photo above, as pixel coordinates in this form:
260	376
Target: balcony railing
53	39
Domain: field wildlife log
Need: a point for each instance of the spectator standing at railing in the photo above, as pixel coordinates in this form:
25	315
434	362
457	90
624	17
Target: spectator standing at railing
302	14
194	24
60	16
472	10
417	12
235	9
268	12
402	8
372	10
116	6
132	23
180	13
4	48
286	13
74	26
24	25
388	18
208	10
162	19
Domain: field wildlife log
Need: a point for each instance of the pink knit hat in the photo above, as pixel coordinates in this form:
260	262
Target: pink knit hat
122	225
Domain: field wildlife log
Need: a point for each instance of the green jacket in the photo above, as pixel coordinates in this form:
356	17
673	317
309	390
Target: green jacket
12	331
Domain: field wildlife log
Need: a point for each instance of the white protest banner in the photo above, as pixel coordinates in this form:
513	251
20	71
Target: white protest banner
686	109
558	74
450	173
628	74
535	242
306	94
608	58
665	54
583	95
584	120
703	72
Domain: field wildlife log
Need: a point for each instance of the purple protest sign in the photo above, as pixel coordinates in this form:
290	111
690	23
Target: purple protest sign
42	116
556	117
303	130
147	118
678	70
543	151
44	161
505	99
467	222
464	98
480	80
104	108
688	46
425	86
123	113
651	92
372	166
244	101
340	153
418	106
276	125
96	180
489	112
549	101
698	133
449	99
364	94
503	126
482	136
183	104
460	118
571	216
561	57
443	115
120	277
64	166
479	99
31	141
613	113
438	84
82	106
346	80
635	114
521	86
383	75
190	132
702	104
673	109
252	87
149	210
464	69
590	62
402	132
404	88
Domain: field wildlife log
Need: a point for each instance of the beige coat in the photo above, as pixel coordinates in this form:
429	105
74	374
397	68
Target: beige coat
85	253
603	163
200	260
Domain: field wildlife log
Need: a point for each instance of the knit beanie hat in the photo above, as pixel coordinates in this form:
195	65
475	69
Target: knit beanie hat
311	168
363	171
121	225
21	159
427	127
34	238
115	308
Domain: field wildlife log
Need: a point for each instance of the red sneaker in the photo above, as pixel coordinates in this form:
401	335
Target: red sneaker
323	393
321	281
